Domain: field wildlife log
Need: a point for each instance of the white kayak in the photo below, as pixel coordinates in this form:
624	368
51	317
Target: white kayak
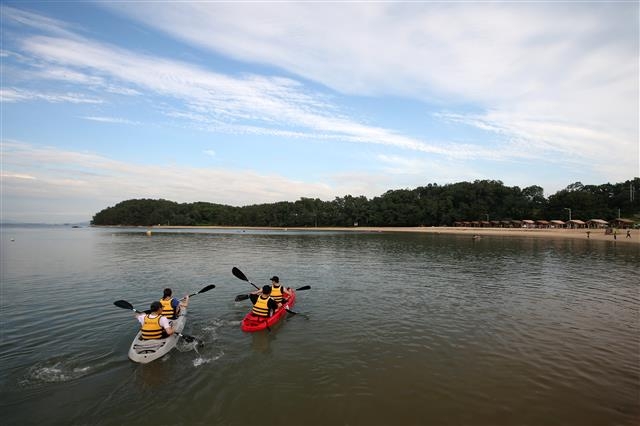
144	351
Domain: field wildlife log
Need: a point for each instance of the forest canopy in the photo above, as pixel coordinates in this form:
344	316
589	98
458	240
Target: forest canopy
431	205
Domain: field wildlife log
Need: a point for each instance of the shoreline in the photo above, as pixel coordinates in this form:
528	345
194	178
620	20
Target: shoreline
594	234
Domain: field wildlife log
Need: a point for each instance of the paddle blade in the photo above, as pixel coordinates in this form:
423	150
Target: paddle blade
238	274
297	313
304	287
123	304
241	297
207	288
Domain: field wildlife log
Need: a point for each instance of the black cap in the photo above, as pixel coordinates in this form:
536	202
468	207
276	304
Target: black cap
275	278
266	289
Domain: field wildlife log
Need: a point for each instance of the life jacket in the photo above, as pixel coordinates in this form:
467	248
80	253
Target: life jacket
151	329
276	293
167	309
261	307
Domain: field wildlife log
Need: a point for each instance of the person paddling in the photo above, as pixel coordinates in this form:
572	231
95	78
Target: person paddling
171	305
263	304
279	293
154	324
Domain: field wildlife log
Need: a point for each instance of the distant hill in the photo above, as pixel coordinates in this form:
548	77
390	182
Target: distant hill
431	205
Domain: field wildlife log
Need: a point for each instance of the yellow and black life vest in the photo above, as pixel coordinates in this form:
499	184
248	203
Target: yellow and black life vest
151	329
276	293
167	309
261	307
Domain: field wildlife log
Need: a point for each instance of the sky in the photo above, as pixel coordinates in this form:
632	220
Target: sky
244	103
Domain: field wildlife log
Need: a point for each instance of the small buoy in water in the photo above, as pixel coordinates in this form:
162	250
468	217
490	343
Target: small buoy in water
13	239
149	233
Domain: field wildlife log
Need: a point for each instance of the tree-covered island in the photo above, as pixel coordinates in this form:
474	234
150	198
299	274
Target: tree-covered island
431	205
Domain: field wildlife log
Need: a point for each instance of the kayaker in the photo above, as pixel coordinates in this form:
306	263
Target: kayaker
154	324
171	305
263	304
279	293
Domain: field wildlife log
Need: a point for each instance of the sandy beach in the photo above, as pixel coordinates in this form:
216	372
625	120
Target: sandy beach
592	234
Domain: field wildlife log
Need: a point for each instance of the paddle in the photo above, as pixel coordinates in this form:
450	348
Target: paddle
207	288
296	313
239	274
126	305
241	297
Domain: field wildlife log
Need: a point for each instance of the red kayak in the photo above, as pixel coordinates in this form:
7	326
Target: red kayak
253	322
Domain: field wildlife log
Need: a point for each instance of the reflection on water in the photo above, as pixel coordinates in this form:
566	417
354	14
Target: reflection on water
397	329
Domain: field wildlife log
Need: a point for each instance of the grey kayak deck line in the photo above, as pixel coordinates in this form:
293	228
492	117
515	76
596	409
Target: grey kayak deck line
144	351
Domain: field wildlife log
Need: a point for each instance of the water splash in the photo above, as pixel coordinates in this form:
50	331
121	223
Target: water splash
53	371
197	362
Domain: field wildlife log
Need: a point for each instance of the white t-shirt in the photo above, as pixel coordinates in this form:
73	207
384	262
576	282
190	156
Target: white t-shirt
164	322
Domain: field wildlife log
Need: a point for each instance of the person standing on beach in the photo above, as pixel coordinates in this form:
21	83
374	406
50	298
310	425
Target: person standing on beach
628	233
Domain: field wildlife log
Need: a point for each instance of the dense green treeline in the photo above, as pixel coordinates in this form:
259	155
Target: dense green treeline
431	205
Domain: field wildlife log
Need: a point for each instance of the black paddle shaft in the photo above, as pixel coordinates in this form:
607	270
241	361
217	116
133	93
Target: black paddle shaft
241	297
207	288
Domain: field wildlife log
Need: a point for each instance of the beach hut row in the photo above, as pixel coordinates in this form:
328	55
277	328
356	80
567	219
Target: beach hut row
547	224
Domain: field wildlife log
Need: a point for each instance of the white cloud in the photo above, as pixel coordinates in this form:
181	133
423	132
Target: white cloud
559	89
210	152
225	103
20	95
36	21
9	175
115	120
60	176
419	171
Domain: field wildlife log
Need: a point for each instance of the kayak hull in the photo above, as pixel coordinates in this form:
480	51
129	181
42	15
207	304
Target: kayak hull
145	351
252	323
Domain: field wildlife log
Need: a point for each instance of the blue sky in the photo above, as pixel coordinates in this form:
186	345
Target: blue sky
258	102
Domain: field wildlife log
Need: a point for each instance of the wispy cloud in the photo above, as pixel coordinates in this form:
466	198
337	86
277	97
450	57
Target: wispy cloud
250	103
534	80
37	171
37	22
7	175
115	120
417	168
20	95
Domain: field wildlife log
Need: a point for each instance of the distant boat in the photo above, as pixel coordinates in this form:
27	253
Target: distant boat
76	226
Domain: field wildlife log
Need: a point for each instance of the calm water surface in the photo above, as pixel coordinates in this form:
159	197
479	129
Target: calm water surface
398	329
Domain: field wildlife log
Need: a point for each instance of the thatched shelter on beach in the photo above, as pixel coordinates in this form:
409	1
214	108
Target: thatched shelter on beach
576	223
557	223
597	223
622	223
542	224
